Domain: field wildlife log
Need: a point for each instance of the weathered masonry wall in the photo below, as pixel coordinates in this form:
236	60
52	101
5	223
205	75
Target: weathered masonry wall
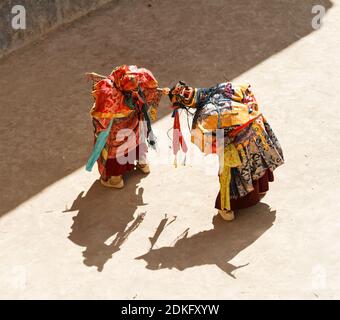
41	17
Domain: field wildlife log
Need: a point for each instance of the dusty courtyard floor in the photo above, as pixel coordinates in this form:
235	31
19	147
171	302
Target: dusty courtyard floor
62	235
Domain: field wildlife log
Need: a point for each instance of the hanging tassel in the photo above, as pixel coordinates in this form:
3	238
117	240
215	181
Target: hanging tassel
98	147
152	140
184	160
178	139
175	161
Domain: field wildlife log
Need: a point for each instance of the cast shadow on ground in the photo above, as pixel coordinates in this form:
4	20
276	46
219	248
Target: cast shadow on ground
105	219
46	131
216	246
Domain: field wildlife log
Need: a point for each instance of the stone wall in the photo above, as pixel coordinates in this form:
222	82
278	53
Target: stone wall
41	17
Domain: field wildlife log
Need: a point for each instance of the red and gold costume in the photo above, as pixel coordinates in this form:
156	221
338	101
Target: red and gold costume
124	103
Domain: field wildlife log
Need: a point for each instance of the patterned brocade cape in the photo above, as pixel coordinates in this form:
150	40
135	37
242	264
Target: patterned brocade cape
120	98
247	144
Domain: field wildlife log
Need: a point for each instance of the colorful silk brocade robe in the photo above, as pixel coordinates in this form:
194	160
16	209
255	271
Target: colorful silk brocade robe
228	122
125	102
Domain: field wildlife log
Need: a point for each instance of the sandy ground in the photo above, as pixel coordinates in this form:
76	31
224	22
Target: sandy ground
62	235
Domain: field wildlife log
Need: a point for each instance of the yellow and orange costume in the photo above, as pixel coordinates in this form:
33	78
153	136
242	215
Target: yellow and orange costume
228	122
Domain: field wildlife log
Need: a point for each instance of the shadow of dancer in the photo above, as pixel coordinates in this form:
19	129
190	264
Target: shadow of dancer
222	40
106	219
162	225
216	246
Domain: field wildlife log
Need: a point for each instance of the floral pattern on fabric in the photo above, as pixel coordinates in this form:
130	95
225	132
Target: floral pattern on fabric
234	109
259	150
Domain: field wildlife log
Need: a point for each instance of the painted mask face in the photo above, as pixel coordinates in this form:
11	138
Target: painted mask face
182	93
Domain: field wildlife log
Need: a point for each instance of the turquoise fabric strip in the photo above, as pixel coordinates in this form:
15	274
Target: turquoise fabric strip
98	147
